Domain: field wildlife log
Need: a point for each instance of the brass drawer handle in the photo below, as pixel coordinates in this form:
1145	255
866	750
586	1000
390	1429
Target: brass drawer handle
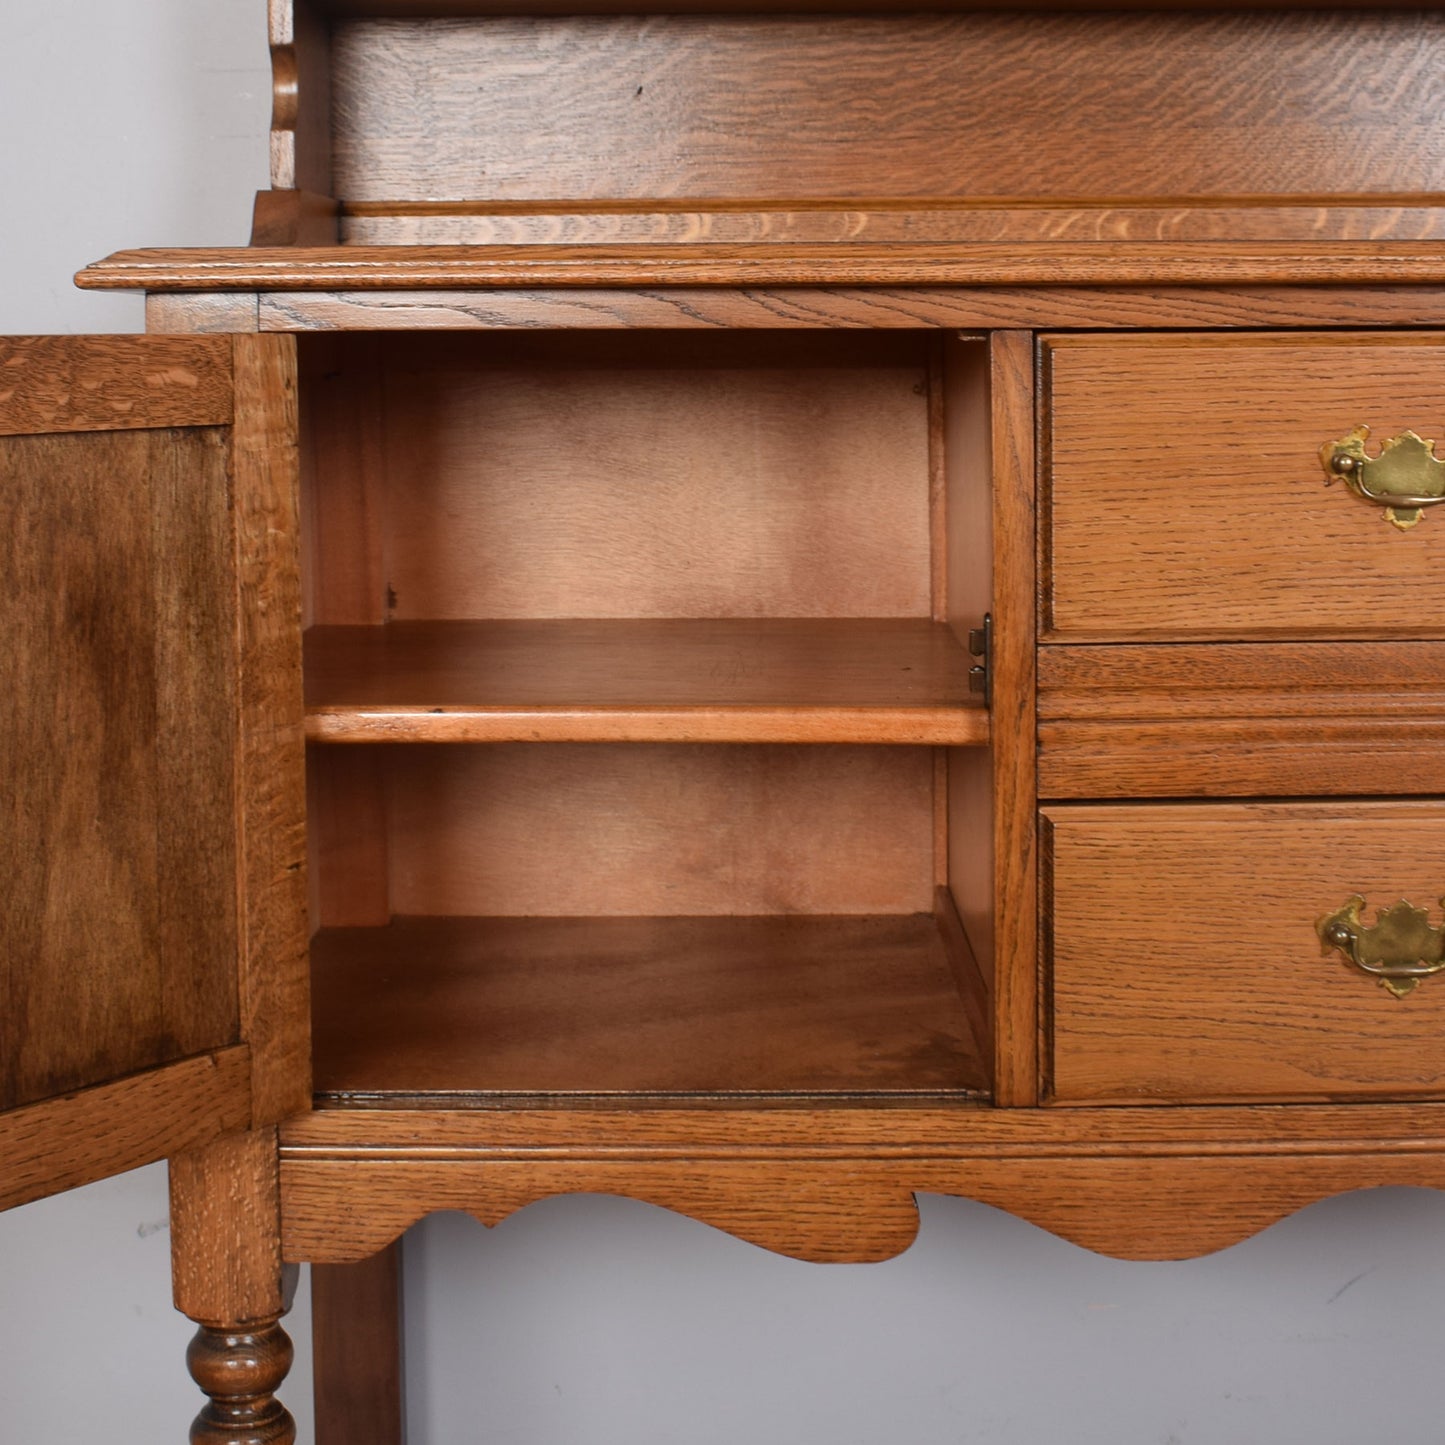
1405	477
1399	949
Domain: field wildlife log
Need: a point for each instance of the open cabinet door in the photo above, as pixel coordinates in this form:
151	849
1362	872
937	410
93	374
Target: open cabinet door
152	919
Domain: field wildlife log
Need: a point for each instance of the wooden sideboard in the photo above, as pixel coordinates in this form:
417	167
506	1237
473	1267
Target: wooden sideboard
758	611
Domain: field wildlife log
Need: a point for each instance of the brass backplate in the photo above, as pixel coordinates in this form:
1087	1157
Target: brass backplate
1404	478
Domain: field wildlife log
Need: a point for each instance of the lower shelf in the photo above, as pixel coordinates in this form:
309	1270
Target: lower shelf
795	1006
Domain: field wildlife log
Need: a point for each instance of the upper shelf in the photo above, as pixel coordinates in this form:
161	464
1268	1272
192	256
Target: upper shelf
890	680
1033	264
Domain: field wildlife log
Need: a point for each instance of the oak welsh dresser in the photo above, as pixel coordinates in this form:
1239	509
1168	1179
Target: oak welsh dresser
758	607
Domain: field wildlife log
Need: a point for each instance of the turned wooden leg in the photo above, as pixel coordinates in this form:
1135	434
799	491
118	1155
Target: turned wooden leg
226	1260
240	1369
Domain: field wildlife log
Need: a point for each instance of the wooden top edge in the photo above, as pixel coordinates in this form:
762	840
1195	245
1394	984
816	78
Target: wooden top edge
1030	264
463	9
852	205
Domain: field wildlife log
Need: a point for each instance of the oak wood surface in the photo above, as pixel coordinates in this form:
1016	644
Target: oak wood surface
965	790
673	680
856	1210
55	384
343	480
903	1129
65	1142
226	1266
301	138
271	786
837	1183
198	313
608	830
681	476
662	1006
1012	716
301	218
1185	965
228	1276
357	1341
843	106
119	929
928	219
1103	308
1189	466
1040	263
346	837
1241	718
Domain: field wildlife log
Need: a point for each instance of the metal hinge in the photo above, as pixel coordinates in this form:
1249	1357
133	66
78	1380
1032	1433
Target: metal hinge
980	645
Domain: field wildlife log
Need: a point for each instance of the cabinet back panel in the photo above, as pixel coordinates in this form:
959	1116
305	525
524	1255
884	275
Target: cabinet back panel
591	107
647	480
673	830
118	930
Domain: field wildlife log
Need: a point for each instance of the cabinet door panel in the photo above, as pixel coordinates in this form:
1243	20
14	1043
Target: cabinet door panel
121	894
121	933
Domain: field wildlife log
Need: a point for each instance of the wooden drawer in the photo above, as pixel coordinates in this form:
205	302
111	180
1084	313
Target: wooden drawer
1185	495
1185	962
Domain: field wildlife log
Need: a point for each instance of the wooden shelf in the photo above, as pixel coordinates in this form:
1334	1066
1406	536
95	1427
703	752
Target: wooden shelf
462	1010
891	680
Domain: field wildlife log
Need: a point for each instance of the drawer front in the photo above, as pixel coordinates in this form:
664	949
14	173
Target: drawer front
1186	496
1185	961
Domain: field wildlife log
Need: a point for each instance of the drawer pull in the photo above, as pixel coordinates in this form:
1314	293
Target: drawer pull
1399	949
1405	477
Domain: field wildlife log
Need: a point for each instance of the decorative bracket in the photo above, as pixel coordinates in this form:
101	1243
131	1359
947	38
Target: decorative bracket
1398	950
1404	478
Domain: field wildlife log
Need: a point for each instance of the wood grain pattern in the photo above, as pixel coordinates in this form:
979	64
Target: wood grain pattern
119	933
298	218
973	986
834	308
301	138
228	1277
682	477
271	786
843	106
610	830
837	1183
1012	717
905	1130
674	680
346	835
792	1005
1042	263
965	792
1167	915
925	219
197	313
1189	466
854	1211
225	1202
73	1140
54	384
357	1343
1241	718
343	479
239	1368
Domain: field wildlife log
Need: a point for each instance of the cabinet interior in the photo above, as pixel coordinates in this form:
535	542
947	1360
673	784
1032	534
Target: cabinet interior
644	758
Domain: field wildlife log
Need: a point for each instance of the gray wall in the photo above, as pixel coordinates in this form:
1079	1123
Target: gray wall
607	1322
